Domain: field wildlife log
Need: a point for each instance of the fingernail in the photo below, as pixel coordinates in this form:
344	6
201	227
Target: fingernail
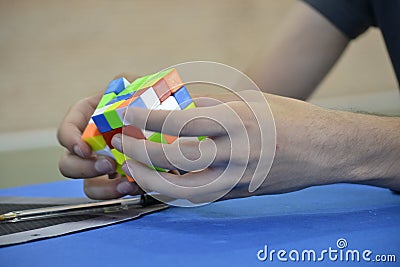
116	142
103	166
126	169
78	151
126	187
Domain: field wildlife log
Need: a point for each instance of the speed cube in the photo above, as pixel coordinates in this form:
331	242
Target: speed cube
162	90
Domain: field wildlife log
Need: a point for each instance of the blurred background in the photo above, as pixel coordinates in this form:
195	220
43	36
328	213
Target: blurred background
53	53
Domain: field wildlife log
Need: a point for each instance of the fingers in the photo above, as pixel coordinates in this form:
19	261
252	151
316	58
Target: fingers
208	121
104	188
204	101
70	131
182	154
73	166
191	186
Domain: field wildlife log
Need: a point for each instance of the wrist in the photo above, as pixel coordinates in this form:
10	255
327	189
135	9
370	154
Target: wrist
377	160
349	147
305	141
318	146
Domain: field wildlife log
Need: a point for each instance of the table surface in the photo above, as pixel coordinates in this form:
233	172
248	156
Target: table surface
228	233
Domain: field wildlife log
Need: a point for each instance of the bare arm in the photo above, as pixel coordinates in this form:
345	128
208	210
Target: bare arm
333	146
324	146
305	48
314	146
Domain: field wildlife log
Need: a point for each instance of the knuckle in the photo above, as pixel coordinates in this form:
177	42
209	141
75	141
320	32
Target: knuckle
81	102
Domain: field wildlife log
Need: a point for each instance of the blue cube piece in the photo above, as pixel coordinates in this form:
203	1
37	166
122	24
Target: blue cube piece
119	98
101	122
183	98
115	86
138	103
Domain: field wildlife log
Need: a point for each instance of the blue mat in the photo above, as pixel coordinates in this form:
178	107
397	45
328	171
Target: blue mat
348	219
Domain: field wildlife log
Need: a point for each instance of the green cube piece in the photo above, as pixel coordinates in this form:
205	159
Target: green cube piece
112	116
153	79
157	169
119	170
201	138
158	138
105	99
126	91
119	157
137	84
190	106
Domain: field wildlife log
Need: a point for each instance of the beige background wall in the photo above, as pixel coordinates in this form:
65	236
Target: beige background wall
53	53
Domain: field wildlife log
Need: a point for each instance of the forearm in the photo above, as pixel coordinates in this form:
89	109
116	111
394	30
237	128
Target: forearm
319	146
302	52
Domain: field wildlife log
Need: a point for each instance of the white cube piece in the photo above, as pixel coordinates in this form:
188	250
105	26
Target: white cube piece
147	133
150	98
121	112
187	139
170	104
126	82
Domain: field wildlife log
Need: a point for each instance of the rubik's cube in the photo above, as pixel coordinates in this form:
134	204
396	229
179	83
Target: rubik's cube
163	90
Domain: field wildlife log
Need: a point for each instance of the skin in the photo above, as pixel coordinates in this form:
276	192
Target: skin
305	49
314	146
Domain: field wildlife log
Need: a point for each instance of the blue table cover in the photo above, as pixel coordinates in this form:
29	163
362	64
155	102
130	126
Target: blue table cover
349	219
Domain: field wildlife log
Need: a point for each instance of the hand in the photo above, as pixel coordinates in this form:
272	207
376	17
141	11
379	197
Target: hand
78	160
222	150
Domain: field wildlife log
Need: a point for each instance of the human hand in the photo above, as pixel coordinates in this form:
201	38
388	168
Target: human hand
78	160
282	178
304	133
314	146
228	159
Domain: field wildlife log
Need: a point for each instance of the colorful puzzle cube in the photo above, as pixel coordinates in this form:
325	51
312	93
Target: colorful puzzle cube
162	90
